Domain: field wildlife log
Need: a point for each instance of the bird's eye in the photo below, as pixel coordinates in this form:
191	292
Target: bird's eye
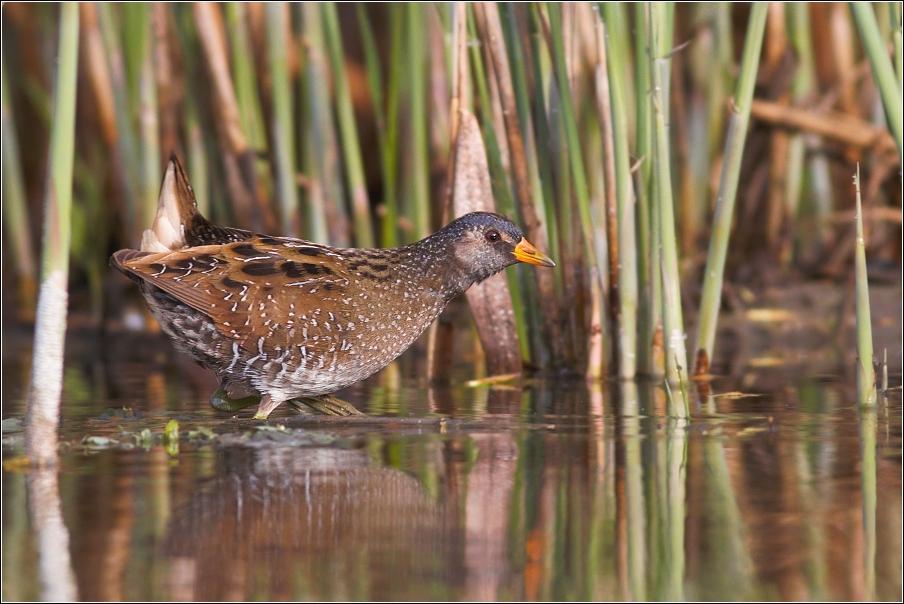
492	235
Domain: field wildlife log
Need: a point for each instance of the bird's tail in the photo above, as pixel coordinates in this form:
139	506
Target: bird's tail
178	223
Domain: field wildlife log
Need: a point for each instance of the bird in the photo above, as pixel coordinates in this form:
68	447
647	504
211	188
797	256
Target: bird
282	319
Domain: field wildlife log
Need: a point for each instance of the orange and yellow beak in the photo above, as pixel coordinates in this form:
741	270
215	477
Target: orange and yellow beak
525	252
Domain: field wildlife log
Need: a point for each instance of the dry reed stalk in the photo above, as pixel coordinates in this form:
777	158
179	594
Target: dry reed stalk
842	127
98	74
775	45
126	162
490	301
348	130
688	198
166	80
533	227
282	116
496	111
42	415
15	205
439	97
460	96
866	373
238	158
843	55
441	332
777	216
211	33
608	288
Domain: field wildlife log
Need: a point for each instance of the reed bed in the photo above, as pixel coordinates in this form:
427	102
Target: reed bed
605	127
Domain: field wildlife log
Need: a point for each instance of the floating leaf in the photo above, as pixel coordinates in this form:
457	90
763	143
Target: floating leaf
736	395
275	428
770	315
121	412
12	424
99	442
18	465
145	438
202	432
171	432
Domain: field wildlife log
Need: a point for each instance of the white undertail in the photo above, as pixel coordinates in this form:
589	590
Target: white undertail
168	230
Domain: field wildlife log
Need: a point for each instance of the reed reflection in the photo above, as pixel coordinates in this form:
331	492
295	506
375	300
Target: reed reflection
509	493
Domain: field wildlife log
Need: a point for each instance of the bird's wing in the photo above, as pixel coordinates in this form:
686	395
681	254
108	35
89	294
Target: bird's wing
264	290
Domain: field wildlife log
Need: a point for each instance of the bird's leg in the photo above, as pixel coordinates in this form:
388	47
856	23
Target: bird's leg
326	404
268	404
221	401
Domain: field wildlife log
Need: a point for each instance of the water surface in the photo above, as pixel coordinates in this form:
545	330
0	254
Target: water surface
546	491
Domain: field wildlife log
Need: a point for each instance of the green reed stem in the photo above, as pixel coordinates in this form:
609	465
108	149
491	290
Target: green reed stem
663	202
385	112
348	130
635	499
867	427
254	159
570	122
134	34
126	146
283	128
561	170
149	124
190	51
419	200
803	85
676	464
618	28
727	528
721	83
244	77
894	10
498	177
866	373
884	74
90	225
195	147
538	83
571	162
15	202
321	153
520	170
650	313
728	185
372	69
539	72
43	414
627	244
518	67
390	147
542	299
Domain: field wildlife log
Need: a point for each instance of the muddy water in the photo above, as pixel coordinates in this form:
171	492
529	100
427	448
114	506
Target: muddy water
550	491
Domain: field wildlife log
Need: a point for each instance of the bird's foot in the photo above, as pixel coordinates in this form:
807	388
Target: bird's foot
221	401
266	407
325	404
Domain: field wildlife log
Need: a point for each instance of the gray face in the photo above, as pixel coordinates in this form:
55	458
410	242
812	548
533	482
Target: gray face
483	243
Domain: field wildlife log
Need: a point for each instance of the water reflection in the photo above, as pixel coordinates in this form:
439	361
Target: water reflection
535	494
308	523
55	569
